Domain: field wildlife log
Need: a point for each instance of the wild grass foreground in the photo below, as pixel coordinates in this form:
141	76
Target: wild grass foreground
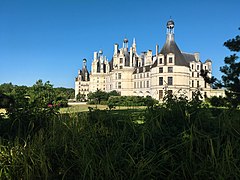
177	140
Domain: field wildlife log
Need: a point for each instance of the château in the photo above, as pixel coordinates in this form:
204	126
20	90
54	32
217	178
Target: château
169	70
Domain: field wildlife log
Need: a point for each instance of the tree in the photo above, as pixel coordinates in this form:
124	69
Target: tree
81	97
231	71
114	93
100	95
42	94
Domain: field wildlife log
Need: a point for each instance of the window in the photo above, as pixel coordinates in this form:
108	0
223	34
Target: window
147	74
134	76
119	85
170	60
198	75
134	84
170	81
205	84
192	66
170	69
192	83
121	60
192	74
205	67
161	70
197	83
147	84
197	67
140	84
160	94
160	81
119	75
120	67
140	75
115	75
160	61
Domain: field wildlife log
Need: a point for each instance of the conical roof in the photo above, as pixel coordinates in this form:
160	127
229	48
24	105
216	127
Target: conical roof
170	46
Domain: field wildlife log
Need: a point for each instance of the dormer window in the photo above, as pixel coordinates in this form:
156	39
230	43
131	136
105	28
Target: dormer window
160	60
121	60
170	60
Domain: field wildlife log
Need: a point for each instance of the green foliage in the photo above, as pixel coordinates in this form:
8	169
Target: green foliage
40	94
217	101
172	143
6	88
131	101
99	95
81	97
179	139
231	71
113	93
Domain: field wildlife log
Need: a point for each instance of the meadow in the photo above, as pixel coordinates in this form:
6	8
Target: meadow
174	141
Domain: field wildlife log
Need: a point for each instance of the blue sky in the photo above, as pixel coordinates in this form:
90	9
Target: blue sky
47	39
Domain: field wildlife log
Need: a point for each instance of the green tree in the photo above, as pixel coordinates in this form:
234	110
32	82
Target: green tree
6	88
81	97
100	95
114	93
42	94
231	71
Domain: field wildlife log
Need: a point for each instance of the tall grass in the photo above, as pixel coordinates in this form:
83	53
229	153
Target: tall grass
173	143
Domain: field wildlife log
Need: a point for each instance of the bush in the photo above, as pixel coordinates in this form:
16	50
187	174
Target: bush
218	101
131	101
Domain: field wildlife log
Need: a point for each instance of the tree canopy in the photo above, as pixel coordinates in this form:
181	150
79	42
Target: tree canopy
231	71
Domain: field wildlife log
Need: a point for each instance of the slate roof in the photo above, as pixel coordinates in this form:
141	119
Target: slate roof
170	46
82	73
189	57
147	69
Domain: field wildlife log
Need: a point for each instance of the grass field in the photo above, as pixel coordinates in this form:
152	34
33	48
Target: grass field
85	107
180	142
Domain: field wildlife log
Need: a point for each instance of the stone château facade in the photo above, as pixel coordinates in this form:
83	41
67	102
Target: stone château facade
167	71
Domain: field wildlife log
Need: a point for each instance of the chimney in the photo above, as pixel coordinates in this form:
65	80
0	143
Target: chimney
157	51
95	56
115	49
197	56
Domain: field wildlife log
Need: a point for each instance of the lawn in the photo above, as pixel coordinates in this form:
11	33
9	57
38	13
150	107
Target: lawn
85	107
